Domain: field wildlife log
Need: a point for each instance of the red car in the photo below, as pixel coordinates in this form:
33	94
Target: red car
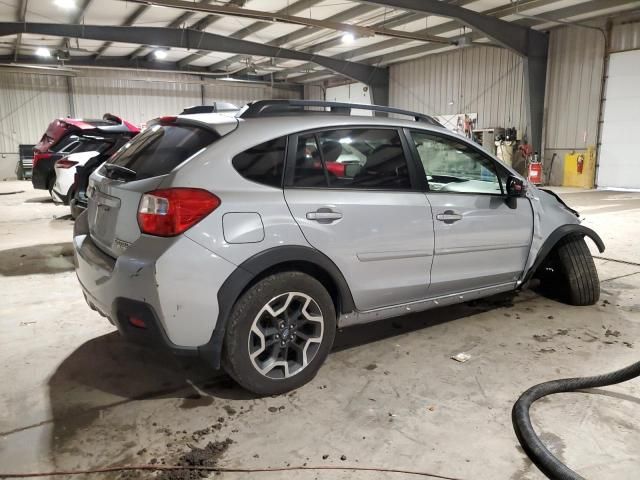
69	135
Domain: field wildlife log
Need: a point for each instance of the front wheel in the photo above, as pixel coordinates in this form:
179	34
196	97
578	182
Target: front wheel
279	333
570	272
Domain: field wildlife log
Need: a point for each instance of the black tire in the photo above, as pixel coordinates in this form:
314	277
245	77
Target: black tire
236	356
51	181
576	272
70	194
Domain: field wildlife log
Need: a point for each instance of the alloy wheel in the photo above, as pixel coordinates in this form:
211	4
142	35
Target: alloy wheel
285	335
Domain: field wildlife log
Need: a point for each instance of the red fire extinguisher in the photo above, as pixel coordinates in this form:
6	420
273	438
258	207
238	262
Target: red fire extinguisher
535	169
580	163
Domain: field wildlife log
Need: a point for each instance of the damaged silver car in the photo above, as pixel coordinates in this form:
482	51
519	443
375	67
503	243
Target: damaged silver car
249	240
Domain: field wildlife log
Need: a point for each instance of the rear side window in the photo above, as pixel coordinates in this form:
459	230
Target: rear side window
161	148
361	158
263	163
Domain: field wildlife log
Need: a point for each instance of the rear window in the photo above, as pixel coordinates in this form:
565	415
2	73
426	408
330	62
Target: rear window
161	148
263	163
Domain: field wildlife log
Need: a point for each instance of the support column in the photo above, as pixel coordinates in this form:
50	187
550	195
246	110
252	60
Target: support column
535	73
72	100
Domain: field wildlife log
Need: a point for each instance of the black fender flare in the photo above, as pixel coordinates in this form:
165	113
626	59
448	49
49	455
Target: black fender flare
248	270
555	237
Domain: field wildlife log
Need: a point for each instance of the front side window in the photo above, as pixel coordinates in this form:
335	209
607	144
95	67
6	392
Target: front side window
454	166
263	163
361	158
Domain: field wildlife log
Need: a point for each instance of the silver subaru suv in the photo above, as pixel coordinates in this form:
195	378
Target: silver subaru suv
249	240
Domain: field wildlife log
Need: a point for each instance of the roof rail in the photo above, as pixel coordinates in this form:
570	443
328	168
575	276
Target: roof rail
266	108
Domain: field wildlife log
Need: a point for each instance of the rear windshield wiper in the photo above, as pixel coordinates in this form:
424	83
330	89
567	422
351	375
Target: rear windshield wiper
120	171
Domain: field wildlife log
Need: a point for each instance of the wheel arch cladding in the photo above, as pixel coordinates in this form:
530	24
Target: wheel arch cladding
273	260
558	234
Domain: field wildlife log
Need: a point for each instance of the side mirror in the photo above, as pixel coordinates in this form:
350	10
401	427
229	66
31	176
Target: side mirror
515	187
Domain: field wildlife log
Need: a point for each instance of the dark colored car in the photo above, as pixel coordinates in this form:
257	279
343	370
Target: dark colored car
68	135
81	181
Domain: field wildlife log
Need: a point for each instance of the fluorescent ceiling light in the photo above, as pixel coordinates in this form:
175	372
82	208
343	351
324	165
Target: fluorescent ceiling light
66	4
43	52
348	38
160	54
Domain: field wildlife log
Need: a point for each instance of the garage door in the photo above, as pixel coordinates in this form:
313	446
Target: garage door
620	149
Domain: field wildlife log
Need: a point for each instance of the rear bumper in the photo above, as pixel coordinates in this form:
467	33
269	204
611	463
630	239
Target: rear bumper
41	173
171	284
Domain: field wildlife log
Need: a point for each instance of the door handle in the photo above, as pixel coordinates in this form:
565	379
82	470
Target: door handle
324	215
449	216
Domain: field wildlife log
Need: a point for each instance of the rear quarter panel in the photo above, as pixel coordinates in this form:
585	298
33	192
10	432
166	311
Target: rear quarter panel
212	170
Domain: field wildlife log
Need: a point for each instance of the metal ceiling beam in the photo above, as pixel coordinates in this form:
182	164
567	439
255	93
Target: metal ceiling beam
591	6
389	43
175	23
396	21
522	40
77	19
304	32
276	17
297	7
377	78
124	62
20	17
292	19
128	22
201	24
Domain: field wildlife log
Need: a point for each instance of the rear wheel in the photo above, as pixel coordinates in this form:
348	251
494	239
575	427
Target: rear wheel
279	333
570	273
70	194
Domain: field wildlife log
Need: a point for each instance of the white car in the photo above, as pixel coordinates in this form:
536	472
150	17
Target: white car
65	170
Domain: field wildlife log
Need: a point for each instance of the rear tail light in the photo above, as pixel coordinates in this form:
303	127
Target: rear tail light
64	163
169	212
40	156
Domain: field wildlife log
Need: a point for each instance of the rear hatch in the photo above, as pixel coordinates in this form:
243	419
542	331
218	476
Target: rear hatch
140	166
61	128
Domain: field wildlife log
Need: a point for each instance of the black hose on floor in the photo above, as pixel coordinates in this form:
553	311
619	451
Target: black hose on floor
533	447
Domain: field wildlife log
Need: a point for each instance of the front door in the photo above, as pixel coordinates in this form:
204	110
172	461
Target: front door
482	239
352	193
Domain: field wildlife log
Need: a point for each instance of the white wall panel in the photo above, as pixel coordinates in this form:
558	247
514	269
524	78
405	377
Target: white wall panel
625	36
135	96
240	94
28	103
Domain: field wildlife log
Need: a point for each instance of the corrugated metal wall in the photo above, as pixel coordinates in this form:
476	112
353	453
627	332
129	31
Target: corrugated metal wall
135	96
29	102
240	94
314	91
574	82
625	36
483	80
27	105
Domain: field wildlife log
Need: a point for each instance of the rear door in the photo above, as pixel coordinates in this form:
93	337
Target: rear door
115	190
355	195
482	238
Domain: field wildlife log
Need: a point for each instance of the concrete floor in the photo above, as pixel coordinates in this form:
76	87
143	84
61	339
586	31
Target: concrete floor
74	395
